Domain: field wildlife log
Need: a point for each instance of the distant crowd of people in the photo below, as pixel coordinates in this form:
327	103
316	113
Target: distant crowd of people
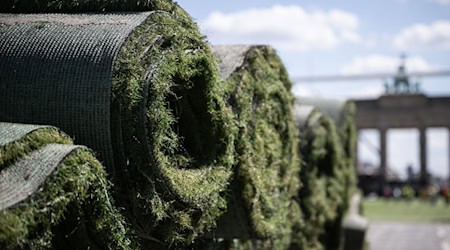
430	192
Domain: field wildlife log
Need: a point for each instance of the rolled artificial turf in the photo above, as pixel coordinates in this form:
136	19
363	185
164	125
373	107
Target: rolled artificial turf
266	172
142	90
79	6
322	196
343	115
54	194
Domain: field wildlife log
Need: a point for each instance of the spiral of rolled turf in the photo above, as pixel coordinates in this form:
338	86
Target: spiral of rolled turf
54	194
342	113
323	176
142	90
266	171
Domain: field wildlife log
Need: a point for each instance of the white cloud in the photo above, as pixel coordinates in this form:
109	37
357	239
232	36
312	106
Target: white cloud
424	36
442	2
381	64
287	27
372	91
300	90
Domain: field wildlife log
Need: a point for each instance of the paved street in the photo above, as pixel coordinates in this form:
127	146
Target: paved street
408	236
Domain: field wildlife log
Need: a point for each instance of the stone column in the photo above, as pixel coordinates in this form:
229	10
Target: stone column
423	155
383	159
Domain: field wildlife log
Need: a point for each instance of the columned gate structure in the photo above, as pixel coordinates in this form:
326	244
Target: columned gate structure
405	110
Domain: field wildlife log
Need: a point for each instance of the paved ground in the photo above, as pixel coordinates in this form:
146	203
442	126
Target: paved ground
408	236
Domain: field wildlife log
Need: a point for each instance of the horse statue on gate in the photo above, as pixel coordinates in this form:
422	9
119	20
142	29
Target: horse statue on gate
401	82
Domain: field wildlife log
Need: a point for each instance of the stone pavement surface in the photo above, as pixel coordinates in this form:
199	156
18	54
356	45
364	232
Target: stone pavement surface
408	236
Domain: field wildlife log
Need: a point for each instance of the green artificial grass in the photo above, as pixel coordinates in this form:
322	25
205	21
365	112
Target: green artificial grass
10	152
406	210
75	193
143	91
65	6
348	134
266	172
342	114
322	196
177	180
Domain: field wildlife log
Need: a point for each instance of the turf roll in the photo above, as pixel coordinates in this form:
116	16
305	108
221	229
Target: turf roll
54	194
322	196
79	6
142	90
343	115
265	175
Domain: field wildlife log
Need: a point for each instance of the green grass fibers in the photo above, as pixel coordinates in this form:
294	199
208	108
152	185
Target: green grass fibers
76	193
267	165
322	195
166	82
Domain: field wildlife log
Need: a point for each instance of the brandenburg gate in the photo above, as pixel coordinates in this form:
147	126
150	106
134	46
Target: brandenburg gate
403	106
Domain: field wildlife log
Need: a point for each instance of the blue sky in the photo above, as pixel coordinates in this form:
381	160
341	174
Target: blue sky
322	37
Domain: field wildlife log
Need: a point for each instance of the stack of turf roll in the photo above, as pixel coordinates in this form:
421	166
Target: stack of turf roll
54	194
266	173
142	89
343	114
322	196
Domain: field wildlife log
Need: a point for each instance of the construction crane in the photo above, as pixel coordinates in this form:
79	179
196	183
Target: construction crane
337	78
401	82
